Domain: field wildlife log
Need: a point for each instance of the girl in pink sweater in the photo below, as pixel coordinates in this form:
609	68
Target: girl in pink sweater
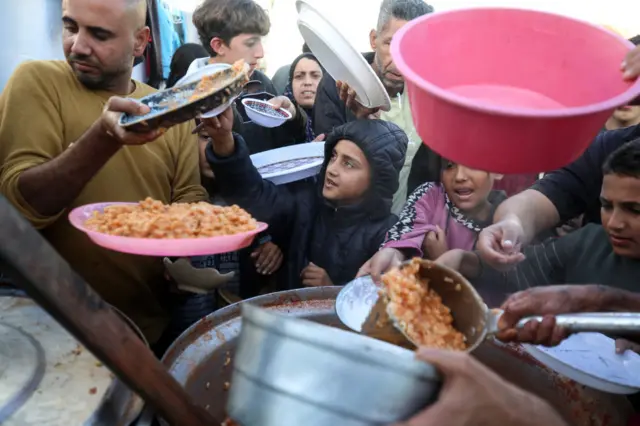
439	216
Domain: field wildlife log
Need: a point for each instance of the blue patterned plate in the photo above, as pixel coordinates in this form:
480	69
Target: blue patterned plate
174	106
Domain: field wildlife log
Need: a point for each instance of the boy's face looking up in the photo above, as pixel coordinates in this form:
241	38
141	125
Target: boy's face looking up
468	189
348	174
231	30
620	198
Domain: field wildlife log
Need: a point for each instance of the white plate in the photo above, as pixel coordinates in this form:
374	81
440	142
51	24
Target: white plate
195	73
590	359
290	163
355	301
341	60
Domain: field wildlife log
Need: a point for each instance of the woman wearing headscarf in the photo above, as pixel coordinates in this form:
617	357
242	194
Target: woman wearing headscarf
304	76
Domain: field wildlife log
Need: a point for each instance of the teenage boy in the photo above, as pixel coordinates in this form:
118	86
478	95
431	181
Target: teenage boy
232	30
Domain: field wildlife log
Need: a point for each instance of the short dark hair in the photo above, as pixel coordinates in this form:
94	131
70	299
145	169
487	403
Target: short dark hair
182	59
227	19
635	40
405	10
624	161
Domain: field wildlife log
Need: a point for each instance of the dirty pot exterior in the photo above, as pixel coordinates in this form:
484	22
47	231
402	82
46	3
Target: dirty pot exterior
202	361
49	378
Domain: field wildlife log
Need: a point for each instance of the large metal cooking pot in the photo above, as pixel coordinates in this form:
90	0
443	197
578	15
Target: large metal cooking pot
49	378
200	359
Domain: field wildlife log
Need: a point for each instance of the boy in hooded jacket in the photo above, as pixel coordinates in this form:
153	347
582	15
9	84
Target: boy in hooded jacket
330	225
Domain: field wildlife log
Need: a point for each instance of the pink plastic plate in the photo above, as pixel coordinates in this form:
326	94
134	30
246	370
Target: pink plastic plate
182	247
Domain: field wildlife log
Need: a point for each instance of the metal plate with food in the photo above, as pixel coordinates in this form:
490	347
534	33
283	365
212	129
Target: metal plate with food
198	73
49	378
341	60
151	228
591	359
290	163
186	102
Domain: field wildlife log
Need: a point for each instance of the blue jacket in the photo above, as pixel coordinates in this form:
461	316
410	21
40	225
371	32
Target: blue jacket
306	226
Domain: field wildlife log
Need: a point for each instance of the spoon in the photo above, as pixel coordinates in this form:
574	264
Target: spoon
360	308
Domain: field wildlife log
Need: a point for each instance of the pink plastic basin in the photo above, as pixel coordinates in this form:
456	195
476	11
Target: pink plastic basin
510	90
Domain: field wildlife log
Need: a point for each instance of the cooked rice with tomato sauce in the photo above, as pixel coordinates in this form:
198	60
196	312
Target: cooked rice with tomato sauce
153	219
213	82
419	310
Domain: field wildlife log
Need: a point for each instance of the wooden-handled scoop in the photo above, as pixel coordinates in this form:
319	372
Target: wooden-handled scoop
37	268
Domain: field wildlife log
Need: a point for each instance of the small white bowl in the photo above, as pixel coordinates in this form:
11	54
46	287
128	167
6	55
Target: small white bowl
264	114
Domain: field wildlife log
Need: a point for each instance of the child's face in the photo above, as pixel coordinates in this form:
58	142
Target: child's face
348	176
620	197
467	188
205	169
243	46
627	114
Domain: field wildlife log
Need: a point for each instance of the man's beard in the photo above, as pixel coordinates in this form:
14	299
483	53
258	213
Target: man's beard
102	80
392	86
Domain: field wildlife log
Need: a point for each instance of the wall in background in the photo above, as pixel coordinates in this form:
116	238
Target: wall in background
32	29
29	29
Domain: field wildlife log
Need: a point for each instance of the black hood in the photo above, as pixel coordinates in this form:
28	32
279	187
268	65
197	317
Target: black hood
385	146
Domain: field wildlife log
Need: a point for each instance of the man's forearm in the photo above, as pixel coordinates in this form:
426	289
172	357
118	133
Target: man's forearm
614	299
535	212
470	266
51	187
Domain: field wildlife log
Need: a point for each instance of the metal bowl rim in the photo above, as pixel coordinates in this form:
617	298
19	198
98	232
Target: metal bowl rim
351	345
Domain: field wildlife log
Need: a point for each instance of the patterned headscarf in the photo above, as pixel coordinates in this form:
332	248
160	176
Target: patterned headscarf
288	92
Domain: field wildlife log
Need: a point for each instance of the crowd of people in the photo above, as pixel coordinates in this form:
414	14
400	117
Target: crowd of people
382	196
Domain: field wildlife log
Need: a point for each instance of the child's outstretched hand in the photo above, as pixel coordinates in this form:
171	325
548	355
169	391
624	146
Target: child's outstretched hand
268	258
315	276
219	129
435	244
623	345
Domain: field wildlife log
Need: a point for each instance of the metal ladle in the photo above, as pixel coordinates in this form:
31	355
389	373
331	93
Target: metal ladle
359	308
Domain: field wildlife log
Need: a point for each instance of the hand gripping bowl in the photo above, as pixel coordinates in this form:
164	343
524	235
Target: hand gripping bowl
264	114
291	371
510	90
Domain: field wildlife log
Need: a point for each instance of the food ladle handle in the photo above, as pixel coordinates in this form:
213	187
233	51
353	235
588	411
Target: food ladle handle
601	322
